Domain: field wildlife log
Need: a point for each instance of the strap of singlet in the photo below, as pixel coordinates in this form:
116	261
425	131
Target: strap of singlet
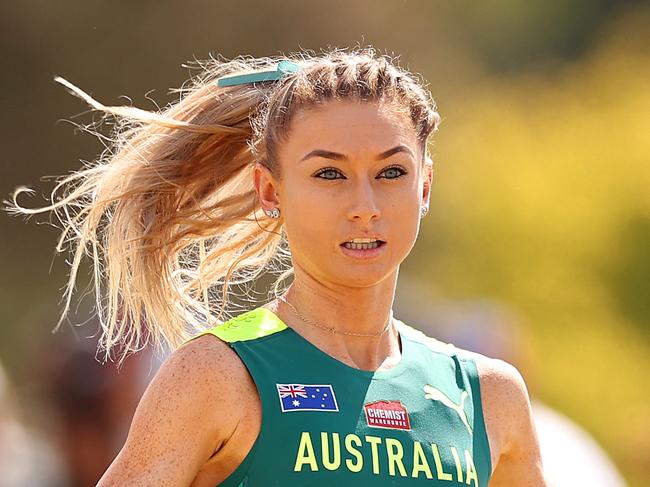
480	432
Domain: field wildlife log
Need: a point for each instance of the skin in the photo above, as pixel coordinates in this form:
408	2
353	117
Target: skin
185	432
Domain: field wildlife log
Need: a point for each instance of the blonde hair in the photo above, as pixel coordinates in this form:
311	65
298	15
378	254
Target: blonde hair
168	213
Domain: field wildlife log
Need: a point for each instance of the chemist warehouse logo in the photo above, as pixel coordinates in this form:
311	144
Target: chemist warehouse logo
387	414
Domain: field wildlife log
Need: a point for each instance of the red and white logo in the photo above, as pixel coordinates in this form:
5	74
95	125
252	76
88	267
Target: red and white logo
387	414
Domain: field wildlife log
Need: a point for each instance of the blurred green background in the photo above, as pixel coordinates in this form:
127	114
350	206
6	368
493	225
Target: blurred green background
541	198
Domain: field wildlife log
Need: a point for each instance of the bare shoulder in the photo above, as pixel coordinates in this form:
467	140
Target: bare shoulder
210	361
182	419
508	411
505	400
204	369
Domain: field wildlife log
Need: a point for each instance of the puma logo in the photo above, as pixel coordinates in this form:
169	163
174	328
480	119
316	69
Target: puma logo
434	394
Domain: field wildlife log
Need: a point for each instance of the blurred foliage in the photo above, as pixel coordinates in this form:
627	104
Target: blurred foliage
510	34
540	197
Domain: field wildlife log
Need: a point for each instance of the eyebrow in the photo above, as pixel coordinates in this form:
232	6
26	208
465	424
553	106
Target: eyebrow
342	157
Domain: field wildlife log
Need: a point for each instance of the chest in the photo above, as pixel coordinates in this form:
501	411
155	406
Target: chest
409	429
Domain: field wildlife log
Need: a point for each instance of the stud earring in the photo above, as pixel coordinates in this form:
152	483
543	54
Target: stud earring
274	213
423	210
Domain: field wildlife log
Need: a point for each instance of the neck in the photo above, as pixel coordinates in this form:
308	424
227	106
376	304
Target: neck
364	310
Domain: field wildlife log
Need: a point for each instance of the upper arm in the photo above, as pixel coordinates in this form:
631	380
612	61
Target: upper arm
508	409
181	419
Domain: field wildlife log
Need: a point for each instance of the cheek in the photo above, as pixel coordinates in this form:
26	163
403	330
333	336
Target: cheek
309	208
402	208
310	221
404	222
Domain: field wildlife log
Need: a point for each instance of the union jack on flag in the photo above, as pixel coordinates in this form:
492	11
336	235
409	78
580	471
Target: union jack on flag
292	390
307	397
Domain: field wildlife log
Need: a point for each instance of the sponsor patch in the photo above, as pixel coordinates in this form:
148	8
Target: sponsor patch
387	414
307	397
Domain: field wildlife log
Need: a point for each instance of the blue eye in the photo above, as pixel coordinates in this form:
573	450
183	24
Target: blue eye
330	170
400	172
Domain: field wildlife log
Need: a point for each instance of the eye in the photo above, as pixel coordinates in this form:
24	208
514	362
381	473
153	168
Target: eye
327	170
395	170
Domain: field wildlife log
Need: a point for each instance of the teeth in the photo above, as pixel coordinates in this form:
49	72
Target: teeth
363	240
361	246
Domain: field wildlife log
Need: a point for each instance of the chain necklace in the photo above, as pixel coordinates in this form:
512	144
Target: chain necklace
334	330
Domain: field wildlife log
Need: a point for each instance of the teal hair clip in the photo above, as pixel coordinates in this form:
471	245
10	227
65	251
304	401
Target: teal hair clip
283	68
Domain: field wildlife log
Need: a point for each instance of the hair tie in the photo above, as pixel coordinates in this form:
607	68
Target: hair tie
282	69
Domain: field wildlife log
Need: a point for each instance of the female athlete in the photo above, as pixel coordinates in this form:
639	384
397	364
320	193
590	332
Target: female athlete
322	160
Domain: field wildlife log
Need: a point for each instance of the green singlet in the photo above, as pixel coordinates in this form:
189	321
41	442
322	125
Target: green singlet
325	423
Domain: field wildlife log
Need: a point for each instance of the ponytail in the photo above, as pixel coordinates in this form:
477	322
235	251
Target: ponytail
166	213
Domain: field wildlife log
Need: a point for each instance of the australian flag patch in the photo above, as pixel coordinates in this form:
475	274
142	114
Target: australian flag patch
307	397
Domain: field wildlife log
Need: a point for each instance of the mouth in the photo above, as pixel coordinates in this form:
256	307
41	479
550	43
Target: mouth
363	250
363	245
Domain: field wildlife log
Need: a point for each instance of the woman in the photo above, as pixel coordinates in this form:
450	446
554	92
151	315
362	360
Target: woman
323	160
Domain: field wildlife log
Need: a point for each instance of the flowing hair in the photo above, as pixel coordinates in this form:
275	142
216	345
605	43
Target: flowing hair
168	214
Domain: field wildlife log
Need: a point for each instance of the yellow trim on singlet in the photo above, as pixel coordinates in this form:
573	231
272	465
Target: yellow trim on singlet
250	325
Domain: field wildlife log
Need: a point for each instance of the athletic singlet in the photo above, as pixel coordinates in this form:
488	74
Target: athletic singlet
326	423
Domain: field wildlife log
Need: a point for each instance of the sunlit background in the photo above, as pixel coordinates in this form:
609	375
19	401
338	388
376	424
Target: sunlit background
536	248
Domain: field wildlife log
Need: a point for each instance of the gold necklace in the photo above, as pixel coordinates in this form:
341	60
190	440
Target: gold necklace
334	330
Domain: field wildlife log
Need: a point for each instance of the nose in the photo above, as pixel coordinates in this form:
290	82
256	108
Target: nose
362	204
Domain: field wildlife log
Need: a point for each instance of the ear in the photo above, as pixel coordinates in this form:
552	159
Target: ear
428	180
266	187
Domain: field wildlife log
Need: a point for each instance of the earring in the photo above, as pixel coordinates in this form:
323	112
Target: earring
273	213
423	210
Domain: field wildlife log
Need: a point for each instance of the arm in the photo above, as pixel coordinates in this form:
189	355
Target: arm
508	404
182	418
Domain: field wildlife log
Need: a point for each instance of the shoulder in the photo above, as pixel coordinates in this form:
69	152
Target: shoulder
201	351
183	417
204	371
198	383
510	423
208	365
504	394
208	377
506	402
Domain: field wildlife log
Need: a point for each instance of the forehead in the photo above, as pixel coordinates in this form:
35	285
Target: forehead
349	127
